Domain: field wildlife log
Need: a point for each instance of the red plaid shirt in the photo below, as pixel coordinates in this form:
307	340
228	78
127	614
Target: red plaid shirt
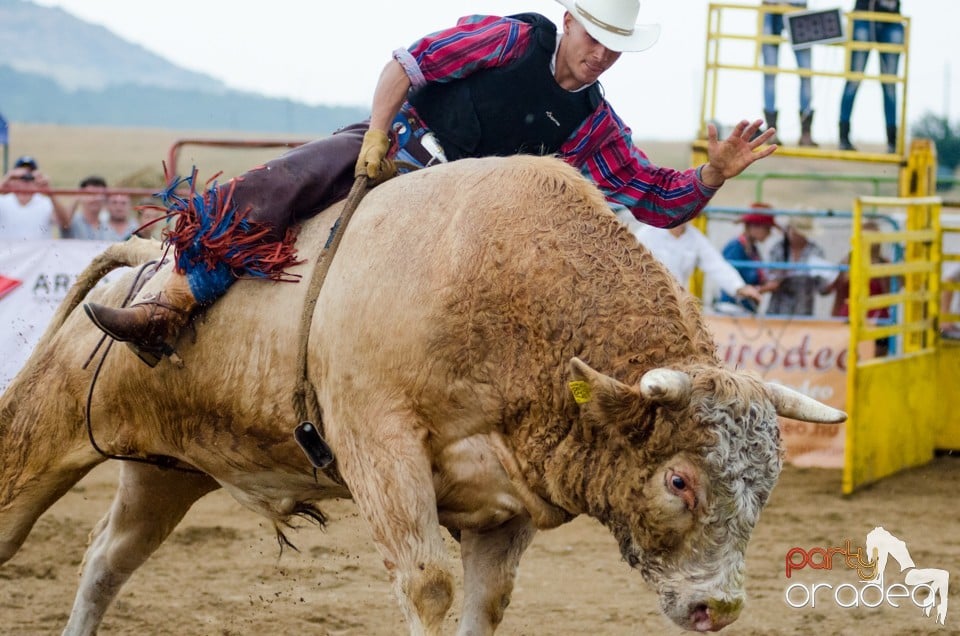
601	148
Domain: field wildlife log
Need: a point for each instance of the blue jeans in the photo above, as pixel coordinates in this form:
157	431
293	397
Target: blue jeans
885	33
773	25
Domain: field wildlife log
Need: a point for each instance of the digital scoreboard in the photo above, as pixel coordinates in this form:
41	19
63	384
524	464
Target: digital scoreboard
814	27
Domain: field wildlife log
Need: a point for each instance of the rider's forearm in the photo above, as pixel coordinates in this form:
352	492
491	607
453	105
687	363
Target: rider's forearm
389	95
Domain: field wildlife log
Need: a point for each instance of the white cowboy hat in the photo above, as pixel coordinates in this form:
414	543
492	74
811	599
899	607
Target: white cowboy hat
613	23
805	225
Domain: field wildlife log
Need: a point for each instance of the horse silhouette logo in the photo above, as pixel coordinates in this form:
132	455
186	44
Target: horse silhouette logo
881	546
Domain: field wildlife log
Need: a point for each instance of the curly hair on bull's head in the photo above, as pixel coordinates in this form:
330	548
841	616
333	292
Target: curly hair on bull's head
679	467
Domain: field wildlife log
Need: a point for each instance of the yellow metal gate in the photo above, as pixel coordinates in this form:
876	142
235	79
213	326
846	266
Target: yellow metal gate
900	405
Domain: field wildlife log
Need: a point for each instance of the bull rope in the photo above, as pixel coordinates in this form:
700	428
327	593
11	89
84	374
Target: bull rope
160	461
305	403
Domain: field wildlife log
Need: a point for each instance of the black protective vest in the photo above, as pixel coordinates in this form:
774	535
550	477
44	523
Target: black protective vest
515	109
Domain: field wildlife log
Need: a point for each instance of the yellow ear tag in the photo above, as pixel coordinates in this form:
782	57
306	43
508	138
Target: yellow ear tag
581	391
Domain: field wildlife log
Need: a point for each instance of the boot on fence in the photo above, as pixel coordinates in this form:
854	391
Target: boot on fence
845	136
806	122
771	118
891	140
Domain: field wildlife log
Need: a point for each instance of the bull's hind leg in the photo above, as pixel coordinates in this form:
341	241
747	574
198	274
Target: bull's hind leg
149	504
391	480
490	561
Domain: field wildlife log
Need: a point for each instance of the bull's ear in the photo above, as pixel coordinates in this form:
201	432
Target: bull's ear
612	400
588	384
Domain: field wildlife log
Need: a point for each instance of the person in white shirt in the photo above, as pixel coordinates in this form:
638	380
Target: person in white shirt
684	248
26	213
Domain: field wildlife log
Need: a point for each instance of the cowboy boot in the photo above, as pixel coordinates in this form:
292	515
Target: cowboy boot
151	326
806	121
891	140
845	136
771	118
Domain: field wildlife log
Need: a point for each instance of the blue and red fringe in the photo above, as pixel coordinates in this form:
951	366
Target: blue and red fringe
215	244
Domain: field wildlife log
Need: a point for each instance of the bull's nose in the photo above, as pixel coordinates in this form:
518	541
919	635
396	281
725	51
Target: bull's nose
715	614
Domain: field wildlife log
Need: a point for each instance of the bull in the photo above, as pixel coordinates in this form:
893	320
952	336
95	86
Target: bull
493	353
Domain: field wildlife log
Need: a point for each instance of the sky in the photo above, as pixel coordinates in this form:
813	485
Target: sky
326	52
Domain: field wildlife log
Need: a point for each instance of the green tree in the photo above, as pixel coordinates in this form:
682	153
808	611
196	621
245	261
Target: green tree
945	137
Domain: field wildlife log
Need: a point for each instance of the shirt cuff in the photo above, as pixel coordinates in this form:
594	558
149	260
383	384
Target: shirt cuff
410	67
705	190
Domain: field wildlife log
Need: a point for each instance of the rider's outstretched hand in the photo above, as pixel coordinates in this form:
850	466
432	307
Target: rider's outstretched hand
728	158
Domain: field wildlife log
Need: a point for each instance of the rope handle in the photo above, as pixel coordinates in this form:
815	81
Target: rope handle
305	403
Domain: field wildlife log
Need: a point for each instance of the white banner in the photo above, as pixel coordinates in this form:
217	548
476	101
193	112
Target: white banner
34	278
809	356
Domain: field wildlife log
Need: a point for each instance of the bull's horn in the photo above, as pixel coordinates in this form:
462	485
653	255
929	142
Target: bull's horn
666	386
797	406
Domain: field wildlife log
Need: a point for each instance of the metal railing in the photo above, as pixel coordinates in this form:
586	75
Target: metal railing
876	181
919	271
723	20
826	270
173	154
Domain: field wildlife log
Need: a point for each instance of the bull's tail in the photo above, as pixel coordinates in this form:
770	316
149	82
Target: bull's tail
133	252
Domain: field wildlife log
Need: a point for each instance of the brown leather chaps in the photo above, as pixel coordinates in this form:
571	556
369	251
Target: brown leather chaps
300	183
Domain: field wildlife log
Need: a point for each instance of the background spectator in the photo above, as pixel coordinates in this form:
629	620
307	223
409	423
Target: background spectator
880	285
26	214
885	33
773	24
684	248
796	291
85	219
949	273
950	330
121	223
151	227
746	247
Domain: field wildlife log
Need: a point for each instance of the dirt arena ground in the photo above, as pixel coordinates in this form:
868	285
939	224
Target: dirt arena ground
221	573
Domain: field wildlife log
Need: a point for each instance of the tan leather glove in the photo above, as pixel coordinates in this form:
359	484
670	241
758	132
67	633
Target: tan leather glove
373	161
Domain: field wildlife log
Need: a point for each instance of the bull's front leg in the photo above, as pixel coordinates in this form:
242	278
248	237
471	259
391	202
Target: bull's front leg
22	504
390	477
38	466
490	561
149	504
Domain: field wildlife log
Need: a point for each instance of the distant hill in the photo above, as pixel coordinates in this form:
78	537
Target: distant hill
58	69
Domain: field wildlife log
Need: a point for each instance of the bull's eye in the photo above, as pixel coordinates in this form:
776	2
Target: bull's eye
680	486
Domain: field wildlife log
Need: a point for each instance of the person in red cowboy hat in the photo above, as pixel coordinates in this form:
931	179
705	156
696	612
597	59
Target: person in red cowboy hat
756	229
489	86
